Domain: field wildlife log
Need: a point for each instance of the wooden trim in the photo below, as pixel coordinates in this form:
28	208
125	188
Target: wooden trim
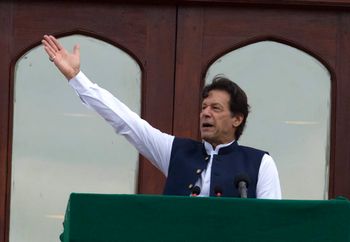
157	103
188	70
261	3
5	133
313	3
341	168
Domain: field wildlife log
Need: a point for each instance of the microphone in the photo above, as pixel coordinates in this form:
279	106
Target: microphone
217	191
242	183
196	190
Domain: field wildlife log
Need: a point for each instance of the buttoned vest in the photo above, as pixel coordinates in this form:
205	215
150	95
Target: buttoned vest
189	158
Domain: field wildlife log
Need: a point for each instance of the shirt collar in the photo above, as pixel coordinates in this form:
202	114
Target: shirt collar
210	150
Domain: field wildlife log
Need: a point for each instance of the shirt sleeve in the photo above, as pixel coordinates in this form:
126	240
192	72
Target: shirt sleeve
268	186
150	142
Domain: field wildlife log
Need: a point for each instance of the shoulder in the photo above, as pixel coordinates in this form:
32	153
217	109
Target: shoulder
268	183
186	145
253	150
186	142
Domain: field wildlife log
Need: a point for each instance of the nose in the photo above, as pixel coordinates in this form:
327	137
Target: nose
206	111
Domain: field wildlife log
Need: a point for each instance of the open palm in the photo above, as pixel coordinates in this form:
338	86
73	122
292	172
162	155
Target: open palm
67	63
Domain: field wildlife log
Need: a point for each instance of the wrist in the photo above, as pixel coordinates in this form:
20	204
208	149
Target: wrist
72	74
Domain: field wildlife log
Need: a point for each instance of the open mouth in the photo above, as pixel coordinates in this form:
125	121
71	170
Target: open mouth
207	125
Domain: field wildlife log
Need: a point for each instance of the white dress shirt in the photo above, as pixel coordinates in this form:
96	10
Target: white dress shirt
155	145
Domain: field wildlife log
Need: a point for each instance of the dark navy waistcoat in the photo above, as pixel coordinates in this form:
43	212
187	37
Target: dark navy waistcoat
189	158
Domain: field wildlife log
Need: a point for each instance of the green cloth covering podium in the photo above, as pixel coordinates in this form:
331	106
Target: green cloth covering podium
92	217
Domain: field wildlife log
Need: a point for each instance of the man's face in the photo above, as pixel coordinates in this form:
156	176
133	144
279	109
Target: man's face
217	125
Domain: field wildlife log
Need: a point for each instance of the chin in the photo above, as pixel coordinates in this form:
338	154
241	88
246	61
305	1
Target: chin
206	137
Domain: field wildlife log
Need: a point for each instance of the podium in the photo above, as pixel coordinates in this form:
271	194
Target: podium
92	218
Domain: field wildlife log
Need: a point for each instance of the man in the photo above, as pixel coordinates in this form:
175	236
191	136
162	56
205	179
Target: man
211	165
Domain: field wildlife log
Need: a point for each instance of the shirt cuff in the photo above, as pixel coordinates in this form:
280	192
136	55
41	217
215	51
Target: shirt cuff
80	82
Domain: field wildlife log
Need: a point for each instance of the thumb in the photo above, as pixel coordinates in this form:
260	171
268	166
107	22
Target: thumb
76	50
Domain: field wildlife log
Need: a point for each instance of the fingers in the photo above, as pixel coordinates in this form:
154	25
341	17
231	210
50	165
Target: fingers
55	41
52	46
50	52
48	47
50	41
76	50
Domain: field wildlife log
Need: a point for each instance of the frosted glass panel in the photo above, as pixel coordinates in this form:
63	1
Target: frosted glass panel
289	94
60	146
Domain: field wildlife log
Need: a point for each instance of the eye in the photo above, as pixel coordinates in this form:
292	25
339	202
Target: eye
216	108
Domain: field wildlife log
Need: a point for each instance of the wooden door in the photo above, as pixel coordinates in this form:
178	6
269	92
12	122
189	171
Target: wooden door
147	33
207	32
179	41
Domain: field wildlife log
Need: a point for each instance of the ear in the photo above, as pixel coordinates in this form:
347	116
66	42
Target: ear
237	119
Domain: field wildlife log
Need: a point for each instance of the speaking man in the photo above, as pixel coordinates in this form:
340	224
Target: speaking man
213	165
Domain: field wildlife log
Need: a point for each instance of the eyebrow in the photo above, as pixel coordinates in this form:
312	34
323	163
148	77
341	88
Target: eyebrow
212	104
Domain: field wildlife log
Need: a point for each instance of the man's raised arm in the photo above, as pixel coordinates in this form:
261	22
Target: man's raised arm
149	141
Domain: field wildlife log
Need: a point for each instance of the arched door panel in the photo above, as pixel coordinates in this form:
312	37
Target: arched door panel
205	33
147	33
